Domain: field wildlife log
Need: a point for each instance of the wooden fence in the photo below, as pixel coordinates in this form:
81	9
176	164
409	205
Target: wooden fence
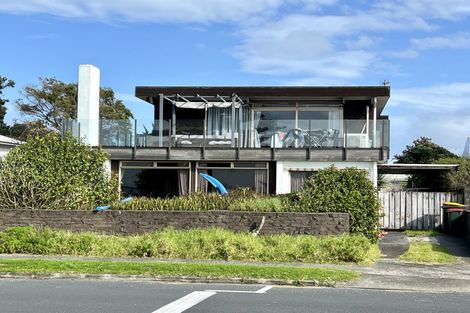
414	209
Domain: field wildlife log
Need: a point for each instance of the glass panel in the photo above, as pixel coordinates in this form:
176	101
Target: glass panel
117	133
148	133
189	122
172	164
215	164
70	126
313	120
269	123
137	163
241	164
356	134
320	129
154	183
257	180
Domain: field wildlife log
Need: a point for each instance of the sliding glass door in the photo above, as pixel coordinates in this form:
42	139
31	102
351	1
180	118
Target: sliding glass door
297	126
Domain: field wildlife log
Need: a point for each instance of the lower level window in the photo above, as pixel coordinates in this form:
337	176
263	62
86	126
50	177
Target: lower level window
298	179
155	183
235	176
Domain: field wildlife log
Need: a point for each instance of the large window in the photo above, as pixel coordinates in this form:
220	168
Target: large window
235	174
297	127
154	179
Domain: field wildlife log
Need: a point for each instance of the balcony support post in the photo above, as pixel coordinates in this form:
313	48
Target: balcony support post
232	123
160	120
374	124
367	125
173	118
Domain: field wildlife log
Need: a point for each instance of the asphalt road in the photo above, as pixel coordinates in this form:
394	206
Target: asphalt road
81	296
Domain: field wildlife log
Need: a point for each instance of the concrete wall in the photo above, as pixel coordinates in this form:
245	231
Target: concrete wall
133	222
283	169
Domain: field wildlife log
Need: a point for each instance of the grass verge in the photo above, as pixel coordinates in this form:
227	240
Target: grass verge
427	252
161	270
422	233
194	244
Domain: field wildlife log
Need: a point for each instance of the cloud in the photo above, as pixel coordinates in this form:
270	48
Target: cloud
319	47
436	98
404	54
425	9
441	112
157	11
454	41
275	39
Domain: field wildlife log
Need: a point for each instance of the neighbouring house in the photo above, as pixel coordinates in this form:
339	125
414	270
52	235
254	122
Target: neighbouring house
6	144
269	139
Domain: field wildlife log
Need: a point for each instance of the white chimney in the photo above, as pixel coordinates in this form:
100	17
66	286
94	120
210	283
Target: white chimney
88	111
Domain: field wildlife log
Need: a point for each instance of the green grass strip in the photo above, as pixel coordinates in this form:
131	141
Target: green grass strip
422	233
152	269
427	252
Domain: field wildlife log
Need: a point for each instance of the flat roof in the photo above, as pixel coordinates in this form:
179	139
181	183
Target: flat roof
145	92
413	168
261	93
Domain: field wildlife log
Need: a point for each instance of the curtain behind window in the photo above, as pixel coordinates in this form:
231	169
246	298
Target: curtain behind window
202	184
334	120
183	182
298	179
261	182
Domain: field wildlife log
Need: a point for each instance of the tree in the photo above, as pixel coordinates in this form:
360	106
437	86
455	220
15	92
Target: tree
22	131
53	101
424	151
4	83
459	179
54	173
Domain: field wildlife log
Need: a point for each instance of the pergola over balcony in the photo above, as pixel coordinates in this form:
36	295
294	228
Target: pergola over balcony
198	102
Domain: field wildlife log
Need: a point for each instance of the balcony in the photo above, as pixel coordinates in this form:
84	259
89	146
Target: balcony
266	139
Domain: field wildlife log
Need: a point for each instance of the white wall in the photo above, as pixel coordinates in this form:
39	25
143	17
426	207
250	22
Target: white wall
4	151
283	167
88	111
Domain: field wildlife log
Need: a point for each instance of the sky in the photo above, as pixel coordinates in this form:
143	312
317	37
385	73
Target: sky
421	47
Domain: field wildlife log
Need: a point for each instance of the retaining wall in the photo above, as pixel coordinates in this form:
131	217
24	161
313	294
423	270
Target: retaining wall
134	222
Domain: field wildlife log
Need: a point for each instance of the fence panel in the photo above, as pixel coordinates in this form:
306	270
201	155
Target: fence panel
414	209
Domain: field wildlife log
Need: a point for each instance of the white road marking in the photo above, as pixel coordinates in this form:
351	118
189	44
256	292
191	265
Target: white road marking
186	302
262	290
190	300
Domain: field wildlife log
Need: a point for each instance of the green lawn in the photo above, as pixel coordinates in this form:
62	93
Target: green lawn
427	252
422	233
197	270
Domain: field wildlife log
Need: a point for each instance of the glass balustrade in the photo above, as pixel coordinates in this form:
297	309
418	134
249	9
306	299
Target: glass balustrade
281	133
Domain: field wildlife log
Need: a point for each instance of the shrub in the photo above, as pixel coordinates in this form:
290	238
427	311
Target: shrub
343	190
51	173
240	199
